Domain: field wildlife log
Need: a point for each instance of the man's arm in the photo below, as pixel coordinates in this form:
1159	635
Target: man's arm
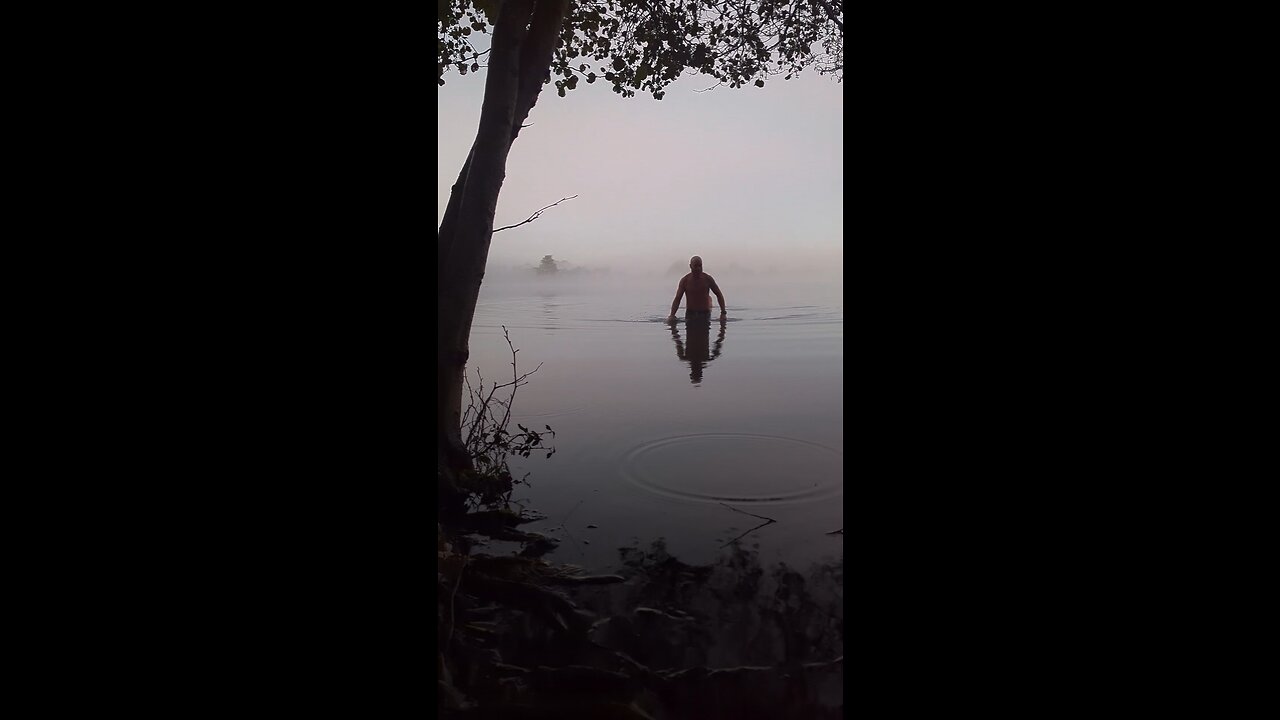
719	295
675	304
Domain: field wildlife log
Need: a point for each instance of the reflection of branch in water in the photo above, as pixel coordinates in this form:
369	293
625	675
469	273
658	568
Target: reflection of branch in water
751	514
767	521
566	530
576	543
746	533
571	511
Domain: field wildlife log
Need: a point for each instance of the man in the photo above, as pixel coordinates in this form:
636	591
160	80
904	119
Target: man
697	287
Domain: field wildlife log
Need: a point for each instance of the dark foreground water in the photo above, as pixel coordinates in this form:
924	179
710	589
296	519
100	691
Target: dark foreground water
682	434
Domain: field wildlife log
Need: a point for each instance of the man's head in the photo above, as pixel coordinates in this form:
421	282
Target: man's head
695	264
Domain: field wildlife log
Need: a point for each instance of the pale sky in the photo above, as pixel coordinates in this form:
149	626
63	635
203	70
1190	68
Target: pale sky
753	176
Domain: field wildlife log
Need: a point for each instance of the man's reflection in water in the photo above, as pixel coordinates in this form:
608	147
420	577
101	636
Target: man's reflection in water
694	350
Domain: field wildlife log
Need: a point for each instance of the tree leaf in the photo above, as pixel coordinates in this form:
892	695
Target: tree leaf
489	8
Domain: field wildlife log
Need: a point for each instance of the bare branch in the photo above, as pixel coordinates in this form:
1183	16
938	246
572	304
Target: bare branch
747	533
506	417
767	521
535	215
475	54
565	528
480	414
566	517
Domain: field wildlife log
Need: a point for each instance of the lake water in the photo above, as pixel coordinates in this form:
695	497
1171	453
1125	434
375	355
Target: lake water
676	432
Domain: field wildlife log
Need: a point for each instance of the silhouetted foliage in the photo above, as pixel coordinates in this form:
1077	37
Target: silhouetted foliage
648	45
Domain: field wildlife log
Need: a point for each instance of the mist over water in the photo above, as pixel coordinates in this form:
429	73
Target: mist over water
750	269
676	432
752	176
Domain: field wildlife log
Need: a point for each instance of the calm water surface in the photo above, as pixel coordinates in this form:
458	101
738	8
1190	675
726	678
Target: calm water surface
659	428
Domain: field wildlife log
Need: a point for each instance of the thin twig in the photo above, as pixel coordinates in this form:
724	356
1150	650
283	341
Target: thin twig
767	521
534	216
576	542
751	514
515	382
770	522
482	404
563	527
571	511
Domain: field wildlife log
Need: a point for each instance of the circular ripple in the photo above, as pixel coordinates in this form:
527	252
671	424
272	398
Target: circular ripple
741	468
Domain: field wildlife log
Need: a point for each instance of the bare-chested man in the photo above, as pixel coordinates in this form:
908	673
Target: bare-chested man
697	287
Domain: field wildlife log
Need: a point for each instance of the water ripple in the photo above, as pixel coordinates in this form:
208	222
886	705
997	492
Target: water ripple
736	468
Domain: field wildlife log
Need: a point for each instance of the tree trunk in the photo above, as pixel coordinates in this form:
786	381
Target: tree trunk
524	37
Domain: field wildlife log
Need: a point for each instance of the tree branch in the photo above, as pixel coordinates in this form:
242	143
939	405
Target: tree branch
534	216
831	13
770	522
751	514
767	521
